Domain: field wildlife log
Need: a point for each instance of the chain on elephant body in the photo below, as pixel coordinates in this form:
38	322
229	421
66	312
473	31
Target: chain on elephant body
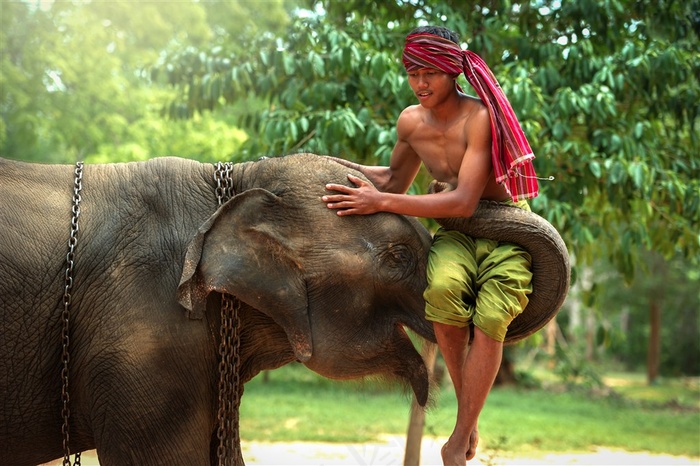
224	182
65	315
228	451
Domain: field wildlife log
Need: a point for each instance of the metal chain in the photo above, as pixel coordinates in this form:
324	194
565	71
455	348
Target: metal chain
224	182
228	451
230	389
65	315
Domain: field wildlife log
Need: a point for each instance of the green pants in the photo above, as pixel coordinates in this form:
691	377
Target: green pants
476	280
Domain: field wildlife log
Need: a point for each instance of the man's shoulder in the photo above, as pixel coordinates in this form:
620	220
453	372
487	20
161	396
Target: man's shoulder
411	113
409	119
472	105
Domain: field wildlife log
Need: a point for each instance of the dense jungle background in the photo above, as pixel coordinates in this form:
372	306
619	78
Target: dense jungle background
607	92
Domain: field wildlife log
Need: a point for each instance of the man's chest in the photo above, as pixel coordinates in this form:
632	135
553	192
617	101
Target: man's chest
440	151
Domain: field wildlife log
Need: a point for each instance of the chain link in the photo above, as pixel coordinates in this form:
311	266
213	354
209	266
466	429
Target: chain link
230	389
65	315
224	182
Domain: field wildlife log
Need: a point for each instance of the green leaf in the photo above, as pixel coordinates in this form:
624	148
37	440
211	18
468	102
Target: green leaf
636	172
317	64
293	131
304	124
617	172
288	64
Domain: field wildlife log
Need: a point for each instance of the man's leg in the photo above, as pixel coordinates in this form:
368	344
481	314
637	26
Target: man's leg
472	374
503	283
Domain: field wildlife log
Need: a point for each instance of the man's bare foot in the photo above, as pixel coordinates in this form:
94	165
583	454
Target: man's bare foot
453	454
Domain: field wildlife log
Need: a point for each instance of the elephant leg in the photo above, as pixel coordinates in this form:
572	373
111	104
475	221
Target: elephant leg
153	399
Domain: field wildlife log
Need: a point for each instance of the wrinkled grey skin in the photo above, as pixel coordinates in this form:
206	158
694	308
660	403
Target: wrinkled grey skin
153	254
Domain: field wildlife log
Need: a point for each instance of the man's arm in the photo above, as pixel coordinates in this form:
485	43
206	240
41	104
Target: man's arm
474	173
476	169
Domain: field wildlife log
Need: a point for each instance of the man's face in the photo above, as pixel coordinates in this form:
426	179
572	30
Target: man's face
431	86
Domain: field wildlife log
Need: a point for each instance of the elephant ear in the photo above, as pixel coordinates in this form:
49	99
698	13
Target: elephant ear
242	250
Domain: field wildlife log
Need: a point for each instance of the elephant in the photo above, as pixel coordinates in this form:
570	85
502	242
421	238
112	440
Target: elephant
147	264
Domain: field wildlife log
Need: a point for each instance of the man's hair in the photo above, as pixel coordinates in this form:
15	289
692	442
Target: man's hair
437	31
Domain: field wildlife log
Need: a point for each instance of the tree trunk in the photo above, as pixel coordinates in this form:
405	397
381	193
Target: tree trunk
653	355
656	297
591	328
414	436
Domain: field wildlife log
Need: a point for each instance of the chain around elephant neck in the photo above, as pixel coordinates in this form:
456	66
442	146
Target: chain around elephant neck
229	449
224	182
65	315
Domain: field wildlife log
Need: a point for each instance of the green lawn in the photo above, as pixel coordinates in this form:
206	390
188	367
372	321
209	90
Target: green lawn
297	405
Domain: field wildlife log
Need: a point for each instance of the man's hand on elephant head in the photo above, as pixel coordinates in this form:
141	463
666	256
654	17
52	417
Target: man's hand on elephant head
363	199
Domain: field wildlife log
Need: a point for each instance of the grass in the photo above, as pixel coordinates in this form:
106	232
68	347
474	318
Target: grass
681	392
297	405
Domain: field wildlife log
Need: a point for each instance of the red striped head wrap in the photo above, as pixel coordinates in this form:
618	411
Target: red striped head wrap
511	154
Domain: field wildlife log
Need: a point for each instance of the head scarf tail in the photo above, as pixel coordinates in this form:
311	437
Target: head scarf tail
511	153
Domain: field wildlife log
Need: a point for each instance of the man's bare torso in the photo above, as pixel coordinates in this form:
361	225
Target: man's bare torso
441	146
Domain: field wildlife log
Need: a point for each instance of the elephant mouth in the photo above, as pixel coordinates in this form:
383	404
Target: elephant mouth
393	357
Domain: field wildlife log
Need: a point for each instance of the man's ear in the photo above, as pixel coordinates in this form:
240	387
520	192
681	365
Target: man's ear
242	250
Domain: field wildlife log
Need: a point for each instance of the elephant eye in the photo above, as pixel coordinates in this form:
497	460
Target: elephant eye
399	259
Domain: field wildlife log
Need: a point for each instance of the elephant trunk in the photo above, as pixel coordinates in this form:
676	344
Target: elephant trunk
551	270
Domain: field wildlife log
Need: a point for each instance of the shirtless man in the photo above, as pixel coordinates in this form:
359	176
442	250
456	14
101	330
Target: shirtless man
451	134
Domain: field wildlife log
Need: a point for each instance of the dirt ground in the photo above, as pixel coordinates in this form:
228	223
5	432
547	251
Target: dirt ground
390	452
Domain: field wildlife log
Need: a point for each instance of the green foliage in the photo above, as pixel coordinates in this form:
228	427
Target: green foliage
325	95
75	83
574	370
22	75
616	318
76	88
202	138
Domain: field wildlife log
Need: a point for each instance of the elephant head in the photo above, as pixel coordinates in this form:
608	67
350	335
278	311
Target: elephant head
341	290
